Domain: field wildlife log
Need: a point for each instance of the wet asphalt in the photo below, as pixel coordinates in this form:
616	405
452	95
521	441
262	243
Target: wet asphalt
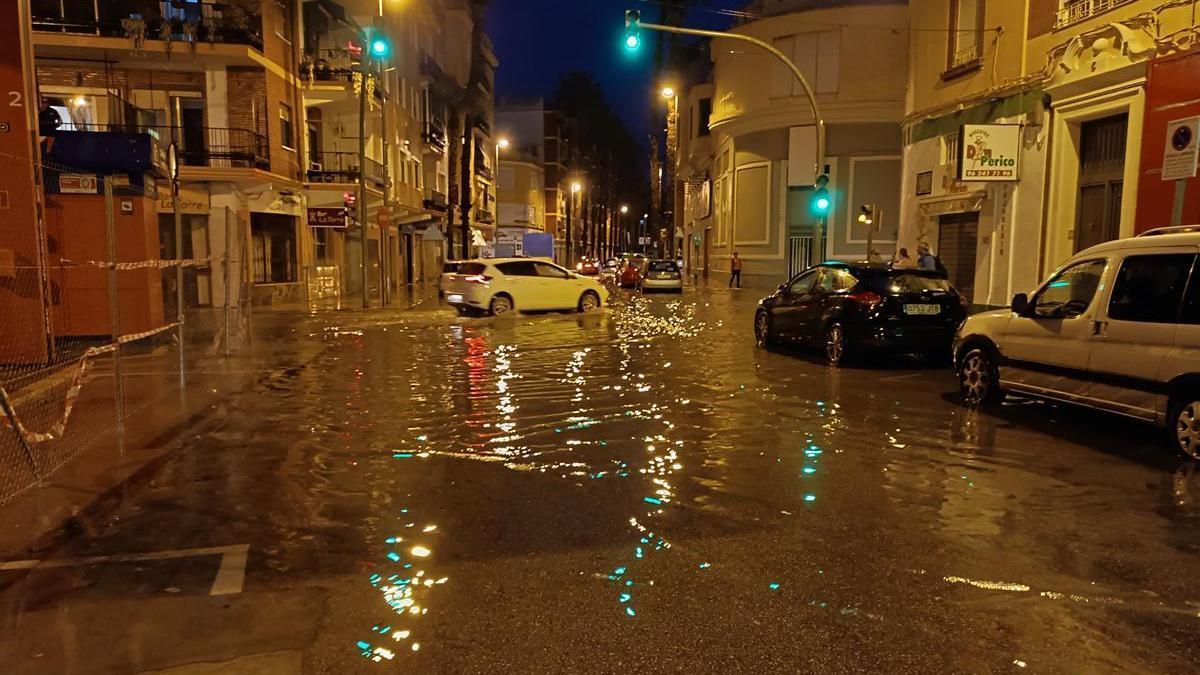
638	490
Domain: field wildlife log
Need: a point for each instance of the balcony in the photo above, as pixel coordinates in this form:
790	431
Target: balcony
485	217
336	67
437	202
141	20
434	136
216	147
1076	11
342	167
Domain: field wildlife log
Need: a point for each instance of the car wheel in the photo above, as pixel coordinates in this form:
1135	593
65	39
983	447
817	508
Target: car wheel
1185	423
590	302
501	304
978	378
835	344
764	333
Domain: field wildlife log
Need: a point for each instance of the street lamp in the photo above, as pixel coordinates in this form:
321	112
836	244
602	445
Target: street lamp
576	188
668	92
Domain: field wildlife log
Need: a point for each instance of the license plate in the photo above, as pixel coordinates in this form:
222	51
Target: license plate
922	310
454	298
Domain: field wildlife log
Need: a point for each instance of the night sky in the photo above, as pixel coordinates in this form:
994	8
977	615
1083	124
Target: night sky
537	41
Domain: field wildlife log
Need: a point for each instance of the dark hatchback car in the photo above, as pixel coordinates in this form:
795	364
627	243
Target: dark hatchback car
846	308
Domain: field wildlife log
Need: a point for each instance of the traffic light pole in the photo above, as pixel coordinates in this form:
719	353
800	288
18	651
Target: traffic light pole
364	77
818	120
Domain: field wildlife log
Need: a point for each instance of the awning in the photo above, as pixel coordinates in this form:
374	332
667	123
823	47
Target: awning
966	202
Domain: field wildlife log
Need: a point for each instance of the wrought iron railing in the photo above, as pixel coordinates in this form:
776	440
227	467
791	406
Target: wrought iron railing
1074	11
174	20
203	146
342	167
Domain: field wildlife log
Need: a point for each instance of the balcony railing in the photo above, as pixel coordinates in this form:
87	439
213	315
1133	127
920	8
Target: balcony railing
1074	11
437	202
435	136
139	20
342	167
199	146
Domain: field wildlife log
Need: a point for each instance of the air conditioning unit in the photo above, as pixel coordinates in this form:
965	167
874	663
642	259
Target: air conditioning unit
316	167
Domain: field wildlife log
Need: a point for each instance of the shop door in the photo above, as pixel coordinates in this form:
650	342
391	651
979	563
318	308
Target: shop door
958	240
1101	180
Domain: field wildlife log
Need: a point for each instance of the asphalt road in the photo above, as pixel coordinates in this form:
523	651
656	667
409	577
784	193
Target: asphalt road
640	490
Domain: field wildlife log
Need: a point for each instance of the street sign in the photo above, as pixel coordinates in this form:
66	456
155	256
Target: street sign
989	152
1183	149
336	217
78	184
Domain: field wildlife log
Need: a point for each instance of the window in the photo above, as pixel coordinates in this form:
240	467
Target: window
705	117
518	269
274	238
966	33
803	284
284	28
1070	293
552	271
913	283
836	279
286	137
818	56
1149	288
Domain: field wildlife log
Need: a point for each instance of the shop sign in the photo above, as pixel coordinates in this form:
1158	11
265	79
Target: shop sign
328	217
1183	149
989	153
192	201
78	184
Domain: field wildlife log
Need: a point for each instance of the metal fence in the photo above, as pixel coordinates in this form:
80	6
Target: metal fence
92	327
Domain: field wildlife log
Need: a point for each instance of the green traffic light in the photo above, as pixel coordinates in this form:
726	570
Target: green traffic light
822	204
632	42
380	48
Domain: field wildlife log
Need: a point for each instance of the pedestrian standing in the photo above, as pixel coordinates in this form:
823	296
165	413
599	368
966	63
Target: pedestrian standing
926	260
735	271
48	123
903	261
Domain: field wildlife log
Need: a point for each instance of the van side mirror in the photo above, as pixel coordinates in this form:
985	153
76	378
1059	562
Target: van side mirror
1020	304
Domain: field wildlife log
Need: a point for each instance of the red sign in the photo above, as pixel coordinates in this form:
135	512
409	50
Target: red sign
22	263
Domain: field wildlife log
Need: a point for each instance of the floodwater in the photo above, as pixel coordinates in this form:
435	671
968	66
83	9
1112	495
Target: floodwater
639	489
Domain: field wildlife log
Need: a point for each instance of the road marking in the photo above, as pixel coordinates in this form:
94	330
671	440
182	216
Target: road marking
894	378
231	575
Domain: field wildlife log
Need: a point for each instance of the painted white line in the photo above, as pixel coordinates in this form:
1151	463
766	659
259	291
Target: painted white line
231	575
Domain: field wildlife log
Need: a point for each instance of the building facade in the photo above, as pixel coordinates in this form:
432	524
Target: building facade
1084	89
757	159
262	99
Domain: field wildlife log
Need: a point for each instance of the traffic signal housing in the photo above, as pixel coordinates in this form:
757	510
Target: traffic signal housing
633	29
822	201
379	46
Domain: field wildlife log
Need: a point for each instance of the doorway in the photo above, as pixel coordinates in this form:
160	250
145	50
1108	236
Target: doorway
191	131
958	241
1101	180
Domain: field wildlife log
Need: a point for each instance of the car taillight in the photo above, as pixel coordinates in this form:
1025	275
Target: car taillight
868	299
477	279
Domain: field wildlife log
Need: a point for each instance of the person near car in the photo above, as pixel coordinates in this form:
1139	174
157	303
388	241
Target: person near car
903	261
926	260
735	271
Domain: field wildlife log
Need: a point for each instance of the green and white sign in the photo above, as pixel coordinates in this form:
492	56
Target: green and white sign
989	152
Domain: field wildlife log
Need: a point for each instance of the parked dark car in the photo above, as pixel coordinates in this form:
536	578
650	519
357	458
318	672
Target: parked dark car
847	308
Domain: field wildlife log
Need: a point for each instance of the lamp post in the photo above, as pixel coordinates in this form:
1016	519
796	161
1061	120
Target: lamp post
576	188
621	226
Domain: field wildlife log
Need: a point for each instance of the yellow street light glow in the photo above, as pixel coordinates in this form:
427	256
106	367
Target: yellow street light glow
503	143
624	209
576	187
668	92
79	101
421	551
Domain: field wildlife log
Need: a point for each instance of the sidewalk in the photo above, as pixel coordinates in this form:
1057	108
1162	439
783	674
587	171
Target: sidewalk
93	461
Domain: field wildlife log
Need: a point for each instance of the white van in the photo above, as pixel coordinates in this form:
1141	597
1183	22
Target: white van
1116	328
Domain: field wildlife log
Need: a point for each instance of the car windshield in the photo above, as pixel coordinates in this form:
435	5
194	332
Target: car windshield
471	268
450	268
663	266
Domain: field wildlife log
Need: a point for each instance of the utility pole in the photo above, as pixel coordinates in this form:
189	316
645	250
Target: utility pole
364	77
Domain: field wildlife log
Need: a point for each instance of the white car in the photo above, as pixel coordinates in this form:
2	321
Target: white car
501	285
449	271
1116	328
661	275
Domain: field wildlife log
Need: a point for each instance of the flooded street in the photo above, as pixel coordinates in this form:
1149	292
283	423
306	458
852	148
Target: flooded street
641	489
